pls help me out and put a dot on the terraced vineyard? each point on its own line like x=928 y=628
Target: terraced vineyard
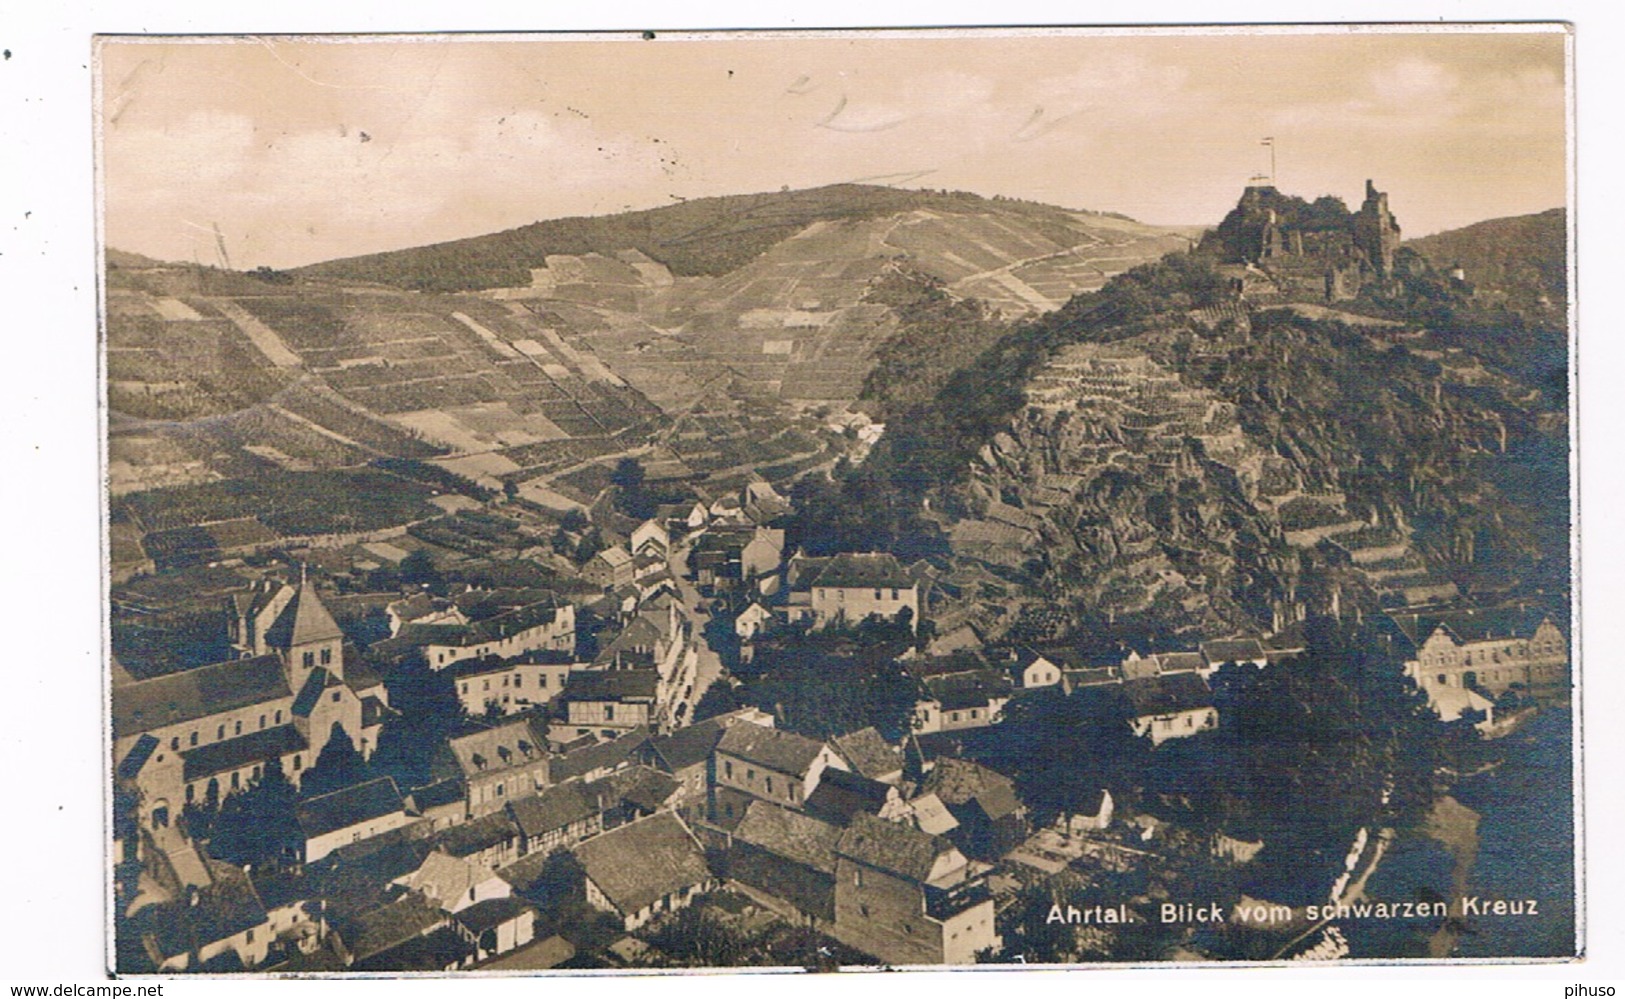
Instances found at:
x=695 y=342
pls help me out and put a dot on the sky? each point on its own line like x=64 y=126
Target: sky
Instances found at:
x=302 y=150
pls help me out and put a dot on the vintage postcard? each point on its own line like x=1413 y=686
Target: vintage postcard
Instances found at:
x=839 y=499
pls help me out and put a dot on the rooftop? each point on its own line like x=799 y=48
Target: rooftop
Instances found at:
x=302 y=621
x=232 y=754
x=1170 y=694
x=864 y=570
x=785 y=752
x=511 y=744
x=958 y=691
x=796 y=837
x=1234 y=650
x=892 y=847
x=491 y=913
x=349 y=806
x=612 y=685
x=869 y=754
x=639 y=863
x=555 y=808
x=611 y=755
x=192 y=694
x=841 y=794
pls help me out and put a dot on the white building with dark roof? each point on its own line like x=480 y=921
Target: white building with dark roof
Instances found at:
x=855 y=586
x=500 y=764
x=350 y=815
x=758 y=762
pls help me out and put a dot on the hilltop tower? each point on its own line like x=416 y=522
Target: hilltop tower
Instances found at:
x=1376 y=233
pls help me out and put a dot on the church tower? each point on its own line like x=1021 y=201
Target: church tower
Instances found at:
x=305 y=635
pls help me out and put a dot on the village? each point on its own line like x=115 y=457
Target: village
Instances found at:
x=645 y=767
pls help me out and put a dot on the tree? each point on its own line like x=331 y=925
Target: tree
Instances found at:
x=418 y=568
x=426 y=710
x=257 y=825
x=718 y=699
x=337 y=767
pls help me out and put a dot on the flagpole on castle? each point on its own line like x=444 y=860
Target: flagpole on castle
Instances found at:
x=1269 y=141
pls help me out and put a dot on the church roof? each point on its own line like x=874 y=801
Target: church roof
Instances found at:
x=196 y=693
x=303 y=621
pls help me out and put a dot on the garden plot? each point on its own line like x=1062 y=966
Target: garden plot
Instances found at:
x=142 y=462
x=443 y=429
x=483 y=469
x=500 y=423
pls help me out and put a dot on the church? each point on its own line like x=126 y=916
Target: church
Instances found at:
x=199 y=734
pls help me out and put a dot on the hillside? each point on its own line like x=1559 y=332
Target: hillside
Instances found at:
x=705 y=236
x=1164 y=460
x=1521 y=260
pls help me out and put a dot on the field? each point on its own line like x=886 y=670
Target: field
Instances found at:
x=286 y=503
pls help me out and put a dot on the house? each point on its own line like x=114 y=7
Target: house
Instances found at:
x=513 y=685
x=1093 y=676
x=497 y=926
x=379 y=929
x=855 y=586
x=955 y=701
x=350 y=815
x=443 y=804
x=789 y=856
x=730 y=556
x=990 y=819
x=1234 y=651
x=681 y=518
x=223 y=925
x=651 y=538
x=489 y=841
x=610 y=568
x=870 y=755
x=1488 y=651
x=841 y=794
x=660 y=636
x=592 y=759
x=752 y=621
x=1170 y=707
x=1180 y=662
x=631 y=794
x=557 y=819
x=1450 y=703
x=453 y=883
x=1032 y=670
x=1079 y=823
x=649 y=867
x=766 y=763
x=545 y=626
x=422 y=608
x=1138 y=667
x=500 y=764
x=761 y=503
x=611 y=701
x=908 y=897
x=687 y=755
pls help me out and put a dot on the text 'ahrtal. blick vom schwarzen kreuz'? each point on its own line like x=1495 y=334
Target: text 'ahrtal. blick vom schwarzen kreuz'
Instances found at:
x=1263 y=913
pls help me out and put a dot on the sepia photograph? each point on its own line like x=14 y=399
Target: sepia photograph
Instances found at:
x=838 y=499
